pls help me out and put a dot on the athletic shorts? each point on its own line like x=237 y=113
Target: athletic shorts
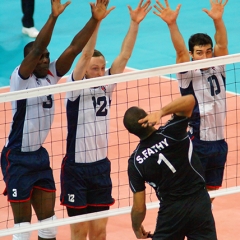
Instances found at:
x=86 y=184
x=23 y=171
x=213 y=156
x=190 y=216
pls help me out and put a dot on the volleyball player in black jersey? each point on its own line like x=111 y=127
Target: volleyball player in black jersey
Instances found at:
x=164 y=159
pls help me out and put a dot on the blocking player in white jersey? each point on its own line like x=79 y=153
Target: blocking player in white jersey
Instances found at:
x=86 y=185
x=24 y=162
x=208 y=86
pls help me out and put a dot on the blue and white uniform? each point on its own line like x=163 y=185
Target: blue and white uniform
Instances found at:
x=88 y=112
x=32 y=119
x=206 y=125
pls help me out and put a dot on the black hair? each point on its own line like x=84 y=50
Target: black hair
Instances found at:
x=130 y=121
x=199 y=39
x=27 y=48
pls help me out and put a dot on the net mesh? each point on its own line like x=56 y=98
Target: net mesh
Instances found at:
x=149 y=89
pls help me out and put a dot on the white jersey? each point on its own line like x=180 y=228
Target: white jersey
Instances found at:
x=209 y=88
x=32 y=117
x=88 y=112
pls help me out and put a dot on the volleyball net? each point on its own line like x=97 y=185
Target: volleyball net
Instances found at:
x=149 y=89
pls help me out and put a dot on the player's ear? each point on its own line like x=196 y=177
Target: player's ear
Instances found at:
x=191 y=54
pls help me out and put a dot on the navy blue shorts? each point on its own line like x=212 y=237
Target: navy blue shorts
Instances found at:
x=86 y=184
x=190 y=216
x=213 y=156
x=23 y=171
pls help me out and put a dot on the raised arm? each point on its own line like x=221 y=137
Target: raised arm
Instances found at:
x=137 y=16
x=87 y=53
x=40 y=44
x=65 y=61
x=182 y=106
x=216 y=13
x=169 y=16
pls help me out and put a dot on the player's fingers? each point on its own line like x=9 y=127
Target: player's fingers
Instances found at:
x=159 y=4
x=205 y=10
x=166 y=3
x=110 y=9
x=157 y=14
x=143 y=120
x=66 y=4
x=178 y=7
x=129 y=8
x=149 y=235
x=224 y=4
x=140 y=4
x=157 y=8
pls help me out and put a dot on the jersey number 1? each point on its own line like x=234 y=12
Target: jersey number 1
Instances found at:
x=161 y=158
x=212 y=79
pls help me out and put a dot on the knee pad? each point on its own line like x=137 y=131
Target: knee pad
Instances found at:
x=24 y=235
x=48 y=232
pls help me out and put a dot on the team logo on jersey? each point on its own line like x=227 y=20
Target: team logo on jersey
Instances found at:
x=103 y=88
x=38 y=81
x=48 y=80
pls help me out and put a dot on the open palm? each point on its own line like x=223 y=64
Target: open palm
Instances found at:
x=58 y=8
x=140 y=12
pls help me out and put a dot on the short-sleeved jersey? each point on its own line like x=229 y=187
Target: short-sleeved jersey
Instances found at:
x=166 y=161
x=209 y=88
x=32 y=117
x=88 y=112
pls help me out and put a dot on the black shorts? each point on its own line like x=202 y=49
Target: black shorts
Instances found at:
x=189 y=217
x=24 y=171
x=213 y=156
x=86 y=184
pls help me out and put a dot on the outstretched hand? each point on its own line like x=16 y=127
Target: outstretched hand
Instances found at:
x=151 y=119
x=99 y=10
x=166 y=13
x=217 y=8
x=57 y=7
x=140 y=12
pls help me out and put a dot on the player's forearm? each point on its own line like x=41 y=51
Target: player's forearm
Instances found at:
x=129 y=40
x=81 y=39
x=181 y=106
x=178 y=41
x=87 y=53
x=221 y=34
x=137 y=217
x=89 y=48
x=45 y=34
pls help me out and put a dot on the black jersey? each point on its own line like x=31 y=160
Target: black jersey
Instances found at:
x=166 y=161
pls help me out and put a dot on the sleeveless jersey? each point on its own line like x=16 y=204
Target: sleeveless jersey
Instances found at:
x=166 y=161
x=209 y=88
x=32 y=117
x=88 y=112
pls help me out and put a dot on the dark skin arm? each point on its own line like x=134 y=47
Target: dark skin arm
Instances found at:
x=65 y=61
x=138 y=214
x=30 y=62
